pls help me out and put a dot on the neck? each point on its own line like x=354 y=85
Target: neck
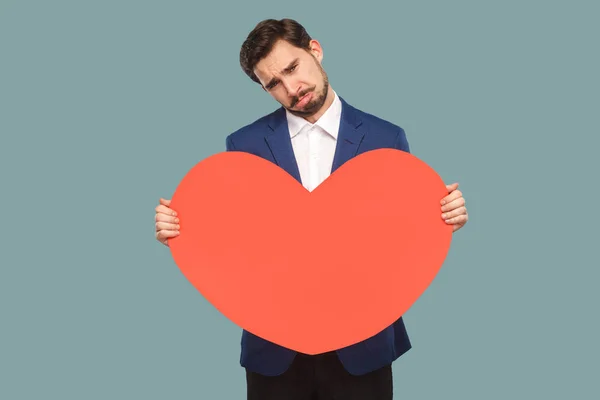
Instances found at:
x=328 y=101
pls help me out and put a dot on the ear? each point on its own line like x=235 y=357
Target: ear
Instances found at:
x=316 y=49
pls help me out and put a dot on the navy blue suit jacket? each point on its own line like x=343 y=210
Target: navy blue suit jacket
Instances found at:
x=269 y=138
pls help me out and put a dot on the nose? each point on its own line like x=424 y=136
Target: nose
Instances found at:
x=291 y=87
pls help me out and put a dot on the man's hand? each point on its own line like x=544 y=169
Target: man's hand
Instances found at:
x=167 y=223
x=453 y=208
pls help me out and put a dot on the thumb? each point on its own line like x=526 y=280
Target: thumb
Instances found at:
x=452 y=187
x=165 y=202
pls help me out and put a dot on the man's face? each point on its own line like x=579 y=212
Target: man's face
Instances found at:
x=294 y=77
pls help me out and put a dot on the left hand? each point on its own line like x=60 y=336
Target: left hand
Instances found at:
x=453 y=208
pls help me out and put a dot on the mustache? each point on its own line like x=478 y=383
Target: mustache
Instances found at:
x=296 y=99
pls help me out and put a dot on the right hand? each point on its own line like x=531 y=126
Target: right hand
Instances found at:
x=167 y=223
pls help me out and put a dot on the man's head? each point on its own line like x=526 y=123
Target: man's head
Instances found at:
x=286 y=62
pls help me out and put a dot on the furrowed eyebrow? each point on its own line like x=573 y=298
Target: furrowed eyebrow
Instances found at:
x=271 y=83
x=290 y=65
x=285 y=70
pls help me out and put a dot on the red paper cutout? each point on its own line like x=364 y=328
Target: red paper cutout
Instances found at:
x=313 y=272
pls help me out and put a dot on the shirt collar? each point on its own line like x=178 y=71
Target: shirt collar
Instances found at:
x=329 y=121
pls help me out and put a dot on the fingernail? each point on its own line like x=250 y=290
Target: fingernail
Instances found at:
x=444 y=216
x=176 y=220
x=178 y=228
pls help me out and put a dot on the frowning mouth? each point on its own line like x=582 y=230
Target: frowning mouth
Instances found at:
x=303 y=101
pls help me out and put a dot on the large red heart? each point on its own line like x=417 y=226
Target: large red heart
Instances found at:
x=311 y=271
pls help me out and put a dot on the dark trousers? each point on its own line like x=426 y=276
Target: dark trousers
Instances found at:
x=320 y=377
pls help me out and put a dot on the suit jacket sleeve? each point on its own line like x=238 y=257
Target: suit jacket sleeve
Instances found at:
x=402 y=142
x=229 y=144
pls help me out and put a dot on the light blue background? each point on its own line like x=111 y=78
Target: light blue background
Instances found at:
x=105 y=105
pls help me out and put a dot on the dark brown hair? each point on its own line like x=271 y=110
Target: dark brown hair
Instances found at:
x=260 y=41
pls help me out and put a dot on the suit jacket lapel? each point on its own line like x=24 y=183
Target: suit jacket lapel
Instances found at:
x=280 y=143
x=350 y=136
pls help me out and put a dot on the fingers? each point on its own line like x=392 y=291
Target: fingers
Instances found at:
x=451 y=197
x=162 y=217
x=164 y=235
x=161 y=208
x=454 y=212
x=167 y=223
x=167 y=226
x=457 y=217
x=166 y=230
x=453 y=204
x=458 y=221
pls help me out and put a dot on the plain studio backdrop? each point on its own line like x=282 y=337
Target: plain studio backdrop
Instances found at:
x=105 y=106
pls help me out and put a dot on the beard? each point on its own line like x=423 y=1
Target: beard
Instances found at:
x=317 y=101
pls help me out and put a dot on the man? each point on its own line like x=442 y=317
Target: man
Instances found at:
x=310 y=136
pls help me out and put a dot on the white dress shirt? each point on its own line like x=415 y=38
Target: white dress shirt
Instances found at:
x=314 y=144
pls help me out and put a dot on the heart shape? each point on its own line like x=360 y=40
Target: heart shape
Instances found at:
x=311 y=271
